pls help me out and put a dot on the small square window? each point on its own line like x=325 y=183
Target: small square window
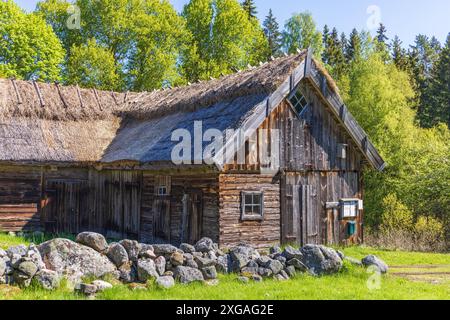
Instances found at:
x=162 y=191
x=298 y=101
x=252 y=206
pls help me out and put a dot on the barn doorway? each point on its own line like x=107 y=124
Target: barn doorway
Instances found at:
x=300 y=215
x=65 y=205
x=192 y=217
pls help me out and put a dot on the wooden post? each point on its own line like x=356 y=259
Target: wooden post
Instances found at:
x=98 y=100
x=19 y=98
x=79 y=96
x=60 y=95
x=38 y=91
x=308 y=62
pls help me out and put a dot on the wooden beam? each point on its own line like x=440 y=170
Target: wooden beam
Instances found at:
x=38 y=91
x=79 y=96
x=60 y=95
x=98 y=100
x=19 y=98
x=308 y=62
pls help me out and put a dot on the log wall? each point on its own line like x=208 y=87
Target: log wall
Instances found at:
x=257 y=233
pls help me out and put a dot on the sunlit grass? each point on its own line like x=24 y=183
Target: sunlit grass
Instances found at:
x=349 y=284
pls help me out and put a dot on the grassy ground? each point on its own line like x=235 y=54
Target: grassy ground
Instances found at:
x=351 y=283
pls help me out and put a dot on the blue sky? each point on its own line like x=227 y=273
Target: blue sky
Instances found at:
x=406 y=18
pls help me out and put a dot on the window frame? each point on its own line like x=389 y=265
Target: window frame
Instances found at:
x=162 y=194
x=252 y=217
x=293 y=94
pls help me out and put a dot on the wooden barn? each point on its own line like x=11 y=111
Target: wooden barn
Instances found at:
x=76 y=159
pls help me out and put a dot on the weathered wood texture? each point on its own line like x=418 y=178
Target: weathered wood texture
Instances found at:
x=19 y=198
x=305 y=216
x=188 y=212
x=258 y=233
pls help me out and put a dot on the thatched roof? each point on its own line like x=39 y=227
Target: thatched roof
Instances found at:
x=44 y=123
x=48 y=122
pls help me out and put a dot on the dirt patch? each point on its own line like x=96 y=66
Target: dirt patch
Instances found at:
x=435 y=274
x=8 y=292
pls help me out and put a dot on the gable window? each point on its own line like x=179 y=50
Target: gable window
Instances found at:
x=298 y=101
x=252 y=206
x=162 y=191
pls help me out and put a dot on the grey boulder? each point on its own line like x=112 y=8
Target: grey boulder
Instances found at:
x=102 y=285
x=187 y=275
x=160 y=265
x=164 y=249
x=187 y=248
x=47 y=279
x=146 y=270
x=320 y=259
x=209 y=272
x=73 y=260
x=372 y=260
x=117 y=254
x=291 y=253
x=165 y=282
x=132 y=247
x=93 y=240
x=204 y=245
x=19 y=250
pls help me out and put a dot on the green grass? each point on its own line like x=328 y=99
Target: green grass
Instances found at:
x=349 y=284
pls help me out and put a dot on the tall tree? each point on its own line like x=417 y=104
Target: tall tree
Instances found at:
x=325 y=36
x=145 y=37
x=354 y=47
x=92 y=66
x=399 y=54
x=273 y=34
x=381 y=43
x=65 y=20
x=300 y=32
x=436 y=106
x=29 y=48
x=335 y=54
x=381 y=34
x=423 y=56
x=223 y=39
x=250 y=7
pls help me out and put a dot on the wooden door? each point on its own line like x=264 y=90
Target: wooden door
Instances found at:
x=65 y=205
x=192 y=218
x=310 y=215
x=300 y=215
x=161 y=218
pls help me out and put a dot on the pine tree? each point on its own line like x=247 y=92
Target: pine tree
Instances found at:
x=381 y=34
x=250 y=7
x=423 y=56
x=273 y=34
x=354 y=48
x=335 y=54
x=325 y=36
x=399 y=54
x=436 y=100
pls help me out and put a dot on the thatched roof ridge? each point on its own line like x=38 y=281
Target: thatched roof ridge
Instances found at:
x=70 y=103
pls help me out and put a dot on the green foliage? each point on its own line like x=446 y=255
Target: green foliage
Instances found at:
x=300 y=32
x=273 y=34
x=92 y=66
x=29 y=48
x=145 y=38
x=396 y=216
x=436 y=98
x=64 y=19
x=250 y=7
x=223 y=39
